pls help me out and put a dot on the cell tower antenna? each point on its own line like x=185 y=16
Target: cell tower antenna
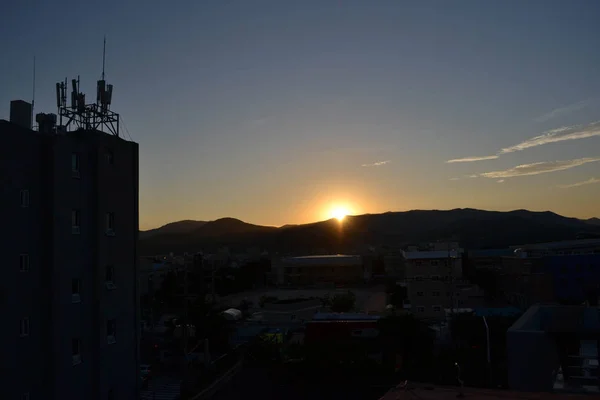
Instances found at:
x=33 y=95
x=103 y=56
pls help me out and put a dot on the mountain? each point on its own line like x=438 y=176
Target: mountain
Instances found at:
x=472 y=228
x=184 y=226
x=593 y=221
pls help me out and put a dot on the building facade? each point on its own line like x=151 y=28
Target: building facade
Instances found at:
x=573 y=276
x=431 y=278
x=69 y=295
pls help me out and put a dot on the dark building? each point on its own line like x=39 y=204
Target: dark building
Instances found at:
x=555 y=348
x=574 y=275
x=68 y=297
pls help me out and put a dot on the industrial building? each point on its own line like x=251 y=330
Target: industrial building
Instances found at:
x=69 y=297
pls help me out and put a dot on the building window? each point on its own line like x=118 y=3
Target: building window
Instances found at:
x=434 y=263
x=418 y=278
x=24 y=328
x=435 y=277
x=418 y=263
x=110 y=277
x=75 y=291
x=435 y=294
x=75 y=222
x=76 y=351
x=437 y=308
x=110 y=157
x=24 y=263
x=420 y=294
x=111 y=331
x=420 y=309
x=75 y=165
x=24 y=198
x=110 y=223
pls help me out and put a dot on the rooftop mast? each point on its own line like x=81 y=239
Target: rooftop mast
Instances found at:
x=93 y=116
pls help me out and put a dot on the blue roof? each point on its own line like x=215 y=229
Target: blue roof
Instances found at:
x=344 y=317
x=497 y=311
x=492 y=253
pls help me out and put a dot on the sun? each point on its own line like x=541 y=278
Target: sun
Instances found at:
x=339 y=213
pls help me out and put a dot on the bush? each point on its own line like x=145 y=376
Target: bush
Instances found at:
x=343 y=302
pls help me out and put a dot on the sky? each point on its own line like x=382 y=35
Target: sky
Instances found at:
x=280 y=112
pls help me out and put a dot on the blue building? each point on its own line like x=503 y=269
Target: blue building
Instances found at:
x=573 y=275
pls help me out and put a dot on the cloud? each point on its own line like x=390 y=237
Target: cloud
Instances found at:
x=376 y=164
x=562 y=111
x=471 y=159
x=500 y=181
x=538 y=168
x=588 y=182
x=557 y=135
x=455 y=179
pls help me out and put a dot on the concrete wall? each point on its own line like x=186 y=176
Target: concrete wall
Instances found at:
x=22 y=293
x=532 y=360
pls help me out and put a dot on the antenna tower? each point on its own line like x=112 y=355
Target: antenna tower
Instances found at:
x=33 y=95
x=92 y=116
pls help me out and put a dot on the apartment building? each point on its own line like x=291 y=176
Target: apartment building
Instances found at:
x=68 y=296
x=431 y=278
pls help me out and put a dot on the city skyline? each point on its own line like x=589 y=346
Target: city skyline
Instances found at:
x=292 y=113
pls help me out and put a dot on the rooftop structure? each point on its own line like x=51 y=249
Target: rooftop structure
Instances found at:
x=554 y=347
x=412 y=391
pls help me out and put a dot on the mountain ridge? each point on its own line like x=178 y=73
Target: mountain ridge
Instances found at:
x=473 y=228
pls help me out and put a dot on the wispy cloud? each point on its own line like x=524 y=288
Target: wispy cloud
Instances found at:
x=538 y=168
x=561 y=134
x=455 y=179
x=557 y=135
x=471 y=159
x=376 y=164
x=500 y=181
x=588 y=182
x=562 y=111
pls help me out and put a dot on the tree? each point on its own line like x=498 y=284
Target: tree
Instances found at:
x=343 y=302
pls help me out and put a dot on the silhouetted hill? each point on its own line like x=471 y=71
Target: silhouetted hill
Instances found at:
x=593 y=221
x=184 y=226
x=472 y=228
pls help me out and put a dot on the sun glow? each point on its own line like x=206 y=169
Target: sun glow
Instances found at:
x=339 y=213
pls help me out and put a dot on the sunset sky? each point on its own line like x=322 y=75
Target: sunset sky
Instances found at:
x=277 y=112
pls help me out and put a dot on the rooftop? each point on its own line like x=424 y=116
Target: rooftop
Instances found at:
x=491 y=253
x=565 y=244
x=421 y=255
x=414 y=391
